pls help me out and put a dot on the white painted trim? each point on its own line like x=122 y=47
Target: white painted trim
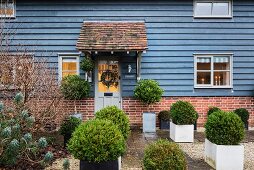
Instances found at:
x=230 y=16
x=211 y=86
x=65 y=55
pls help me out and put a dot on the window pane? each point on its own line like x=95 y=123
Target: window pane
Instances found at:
x=7 y=8
x=220 y=8
x=203 y=9
x=222 y=78
x=221 y=63
x=203 y=78
x=203 y=63
x=69 y=66
x=69 y=73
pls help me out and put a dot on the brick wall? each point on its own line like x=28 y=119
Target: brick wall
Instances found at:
x=134 y=108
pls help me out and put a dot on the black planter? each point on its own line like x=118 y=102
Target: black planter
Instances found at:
x=164 y=124
x=109 y=165
x=246 y=125
x=195 y=126
x=66 y=139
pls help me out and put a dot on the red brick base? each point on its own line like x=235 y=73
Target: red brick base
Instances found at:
x=135 y=109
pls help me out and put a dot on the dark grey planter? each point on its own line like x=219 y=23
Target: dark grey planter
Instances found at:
x=109 y=165
x=66 y=139
x=164 y=124
x=246 y=125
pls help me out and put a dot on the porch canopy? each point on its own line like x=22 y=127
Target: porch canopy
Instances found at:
x=112 y=36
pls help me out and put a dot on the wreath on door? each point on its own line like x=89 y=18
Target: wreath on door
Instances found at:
x=109 y=78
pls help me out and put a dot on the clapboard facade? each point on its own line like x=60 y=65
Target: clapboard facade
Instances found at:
x=174 y=38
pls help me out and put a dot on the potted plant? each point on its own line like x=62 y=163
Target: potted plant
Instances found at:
x=148 y=92
x=117 y=116
x=164 y=119
x=164 y=155
x=244 y=115
x=212 y=109
x=68 y=127
x=87 y=65
x=224 y=131
x=74 y=88
x=98 y=144
x=183 y=116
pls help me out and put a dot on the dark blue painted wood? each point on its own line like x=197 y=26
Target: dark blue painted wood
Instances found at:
x=53 y=27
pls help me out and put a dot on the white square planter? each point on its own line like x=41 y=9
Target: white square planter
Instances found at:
x=181 y=133
x=224 y=157
x=149 y=122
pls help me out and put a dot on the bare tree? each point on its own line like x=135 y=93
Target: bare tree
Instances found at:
x=21 y=71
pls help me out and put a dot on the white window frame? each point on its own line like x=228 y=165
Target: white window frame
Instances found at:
x=61 y=56
x=14 y=11
x=214 y=16
x=230 y=55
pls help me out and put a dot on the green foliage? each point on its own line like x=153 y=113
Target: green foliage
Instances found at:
x=97 y=141
x=75 y=88
x=183 y=113
x=164 y=115
x=118 y=117
x=224 y=128
x=164 y=155
x=213 y=109
x=66 y=164
x=243 y=114
x=69 y=126
x=148 y=91
x=16 y=140
x=87 y=64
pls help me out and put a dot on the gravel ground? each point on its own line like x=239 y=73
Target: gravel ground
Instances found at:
x=132 y=160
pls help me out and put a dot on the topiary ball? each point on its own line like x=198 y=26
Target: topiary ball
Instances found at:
x=243 y=114
x=164 y=155
x=75 y=88
x=87 y=64
x=212 y=110
x=183 y=113
x=118 y=117
x=164 y=115
x=148 y=91
x=224 y=128
x=97 y=141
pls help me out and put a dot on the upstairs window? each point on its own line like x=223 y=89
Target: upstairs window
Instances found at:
x=212 y=9
x=7 y=8
x=213 y=71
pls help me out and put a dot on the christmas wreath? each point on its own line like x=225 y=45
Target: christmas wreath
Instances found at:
x=109 y=78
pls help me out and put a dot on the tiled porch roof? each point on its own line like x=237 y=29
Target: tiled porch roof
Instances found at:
x=112 y=36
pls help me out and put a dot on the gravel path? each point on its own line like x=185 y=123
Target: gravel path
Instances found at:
x=137 y=142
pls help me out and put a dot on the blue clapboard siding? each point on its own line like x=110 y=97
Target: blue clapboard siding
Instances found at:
x=53 y=27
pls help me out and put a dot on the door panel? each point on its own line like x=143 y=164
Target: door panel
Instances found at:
x=107 y=84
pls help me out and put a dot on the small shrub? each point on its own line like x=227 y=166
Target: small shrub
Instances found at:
x=69 y=126
x=212 y=109
x=164 y=115
x=148 y=91
x=74 y=88
x=243 y=114
x=16 y=140
x=224 y=128
x=164 y=155
x=117 y=116
x=97 y=141
x=183 y=113
x=87 y=64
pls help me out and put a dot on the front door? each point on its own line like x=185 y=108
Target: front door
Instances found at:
x=107 y=84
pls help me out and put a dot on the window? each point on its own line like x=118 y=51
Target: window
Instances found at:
x=213 y=71
x=7 y=8
x=212 y=9
x=68 y=65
